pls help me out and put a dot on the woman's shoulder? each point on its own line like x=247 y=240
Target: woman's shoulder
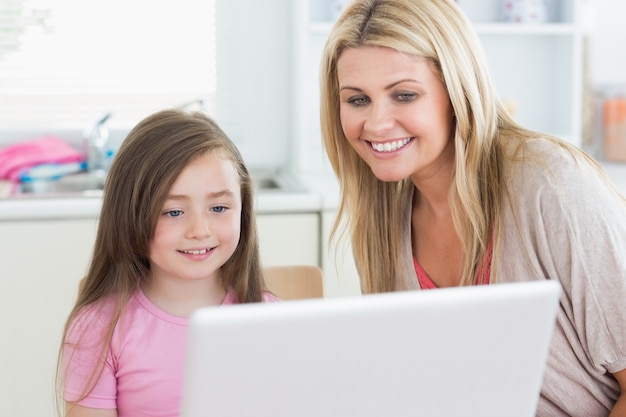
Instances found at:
x=548 y=173
x=546 y=160
x=540 y=149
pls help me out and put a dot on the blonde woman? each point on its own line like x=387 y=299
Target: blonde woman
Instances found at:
x=440 y=188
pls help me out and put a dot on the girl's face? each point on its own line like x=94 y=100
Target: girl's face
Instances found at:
x=395 y=112
x=199 y=226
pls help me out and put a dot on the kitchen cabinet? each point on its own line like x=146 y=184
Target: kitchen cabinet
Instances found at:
x=537 y=69
x=289 y=239
x=42 y=263
x=340 y=274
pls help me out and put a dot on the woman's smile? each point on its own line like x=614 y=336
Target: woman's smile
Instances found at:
x=388 y=100
x=390 y=146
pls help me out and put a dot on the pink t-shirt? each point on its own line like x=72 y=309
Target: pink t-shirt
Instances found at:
x=143 y=374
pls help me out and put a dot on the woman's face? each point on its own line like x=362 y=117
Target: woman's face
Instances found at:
x=396 y=113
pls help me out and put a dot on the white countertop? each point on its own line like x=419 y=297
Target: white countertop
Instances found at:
x=322 y=195
x=41 y=208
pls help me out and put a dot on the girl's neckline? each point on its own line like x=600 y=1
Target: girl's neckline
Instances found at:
x=164 y=315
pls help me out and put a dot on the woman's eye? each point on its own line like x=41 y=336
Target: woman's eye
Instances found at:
x=358 y=101
x=405 y=96
x=173 y=213
x=218 y=209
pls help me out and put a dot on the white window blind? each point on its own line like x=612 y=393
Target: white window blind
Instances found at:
x=64 y=63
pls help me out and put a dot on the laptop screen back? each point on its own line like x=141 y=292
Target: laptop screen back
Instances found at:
x=467 y=351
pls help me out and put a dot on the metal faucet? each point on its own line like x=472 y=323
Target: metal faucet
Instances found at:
x=97 y=147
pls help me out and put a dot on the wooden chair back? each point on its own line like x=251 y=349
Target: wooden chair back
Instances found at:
x=294 y=282
x=290 y=282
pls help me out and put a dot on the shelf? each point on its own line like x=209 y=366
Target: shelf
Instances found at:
x=491 y=11
x=525 y=29
x=488 y=28
x=536 y=67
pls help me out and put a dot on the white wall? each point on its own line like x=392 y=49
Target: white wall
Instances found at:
x=253 y=97
x=253 y=78
x=607 y=44
x=254 y=72
x=606 y=52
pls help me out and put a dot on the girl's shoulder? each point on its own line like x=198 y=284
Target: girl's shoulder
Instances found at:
x=102 y=311
x=232 y=299
x=270 y=298
x=92 y=318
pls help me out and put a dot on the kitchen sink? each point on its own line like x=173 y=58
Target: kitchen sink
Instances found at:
x=85 y=184
x=267 y=184
x=82 y=183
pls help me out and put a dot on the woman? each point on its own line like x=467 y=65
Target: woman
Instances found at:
x=440 y=187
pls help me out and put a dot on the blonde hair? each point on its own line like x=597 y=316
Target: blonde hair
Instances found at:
x=377 y=213
x=146 y=166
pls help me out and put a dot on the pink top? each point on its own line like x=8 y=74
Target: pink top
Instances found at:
x=484 y=272
x=143 y=374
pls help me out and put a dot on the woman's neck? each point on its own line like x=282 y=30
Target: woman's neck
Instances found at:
x=435 y=241
x=433 y=183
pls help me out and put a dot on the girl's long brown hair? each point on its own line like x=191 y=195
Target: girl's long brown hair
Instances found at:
x=147 y=164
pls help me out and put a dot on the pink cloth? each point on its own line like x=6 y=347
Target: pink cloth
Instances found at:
x=144 y=370
x=48 y=149
x=483 y=274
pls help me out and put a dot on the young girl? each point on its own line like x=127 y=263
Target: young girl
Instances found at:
x=176 y=232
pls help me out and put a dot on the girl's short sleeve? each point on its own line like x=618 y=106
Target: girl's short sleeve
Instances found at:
x=88 y=371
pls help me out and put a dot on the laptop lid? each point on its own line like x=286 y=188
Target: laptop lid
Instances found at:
x=464 y=351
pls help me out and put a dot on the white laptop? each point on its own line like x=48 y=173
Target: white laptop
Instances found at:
x=466 y=351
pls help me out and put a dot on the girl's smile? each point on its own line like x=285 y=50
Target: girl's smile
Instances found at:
x=197 y=254
x=199 y=228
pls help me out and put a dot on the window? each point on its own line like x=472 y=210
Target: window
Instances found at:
x=65 y=63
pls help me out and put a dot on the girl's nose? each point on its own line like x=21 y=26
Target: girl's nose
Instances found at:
x=199 y=226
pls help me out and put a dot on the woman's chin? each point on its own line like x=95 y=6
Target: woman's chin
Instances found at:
x=389 y=176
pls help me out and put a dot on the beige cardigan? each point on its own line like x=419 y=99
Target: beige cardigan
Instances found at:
x=562 y=222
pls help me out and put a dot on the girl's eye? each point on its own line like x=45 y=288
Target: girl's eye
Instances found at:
x=173 y=213
x=218 y=209
x=358 y=101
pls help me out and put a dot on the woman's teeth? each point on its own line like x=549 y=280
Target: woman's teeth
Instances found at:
x=390 y=146
x=195 y=252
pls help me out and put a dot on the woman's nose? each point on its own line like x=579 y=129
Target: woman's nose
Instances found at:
x=379 y=120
